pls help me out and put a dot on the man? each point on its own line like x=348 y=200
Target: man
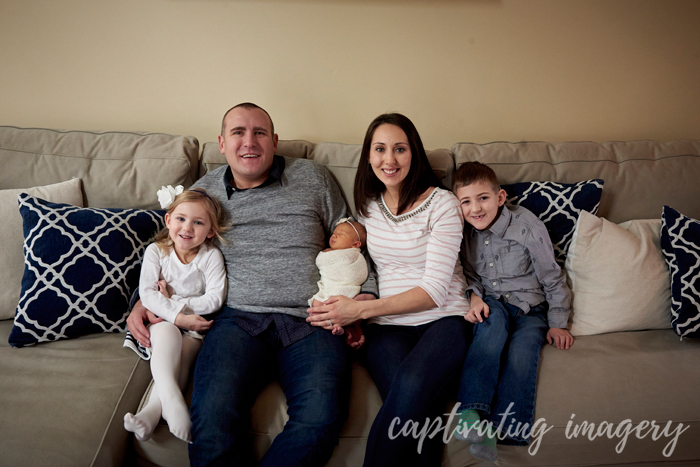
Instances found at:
x=282 y=212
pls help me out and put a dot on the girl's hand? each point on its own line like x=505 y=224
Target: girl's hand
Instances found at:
x=478 y=307
x=562 y=338
x=193 y=322
x=336 y=311
x=163 y=288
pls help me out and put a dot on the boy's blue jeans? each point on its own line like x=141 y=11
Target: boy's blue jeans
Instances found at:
x=233 y=367
x=501 y=365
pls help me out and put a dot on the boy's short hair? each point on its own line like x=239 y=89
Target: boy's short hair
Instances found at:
x=471 y=172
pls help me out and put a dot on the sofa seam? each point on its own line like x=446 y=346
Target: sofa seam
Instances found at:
x=75 y=156
x=595 y=160
x=95 y=132
x=574 y=141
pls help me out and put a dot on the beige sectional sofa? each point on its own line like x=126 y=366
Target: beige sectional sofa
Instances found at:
x=62 y=403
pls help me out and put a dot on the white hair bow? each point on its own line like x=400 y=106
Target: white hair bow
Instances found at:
x=167 y=194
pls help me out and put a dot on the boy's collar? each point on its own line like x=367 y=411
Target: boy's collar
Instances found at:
x=500 y=224
x=502 y=221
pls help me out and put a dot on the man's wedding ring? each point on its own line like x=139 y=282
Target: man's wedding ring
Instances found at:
x=330 y=323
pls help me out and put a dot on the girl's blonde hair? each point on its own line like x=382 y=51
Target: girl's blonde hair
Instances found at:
x=213 y=208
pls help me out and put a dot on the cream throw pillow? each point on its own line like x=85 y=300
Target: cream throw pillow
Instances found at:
x=12 y=236
x=619 y=279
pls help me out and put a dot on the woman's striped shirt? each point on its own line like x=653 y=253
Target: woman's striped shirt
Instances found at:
x=419 y=249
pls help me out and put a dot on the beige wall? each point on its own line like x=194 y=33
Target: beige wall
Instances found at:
x=463 y=70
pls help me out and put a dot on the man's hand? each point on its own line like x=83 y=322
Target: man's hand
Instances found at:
x=193 y=322
x=137 y=321
x=562 y=338
x=477 y=308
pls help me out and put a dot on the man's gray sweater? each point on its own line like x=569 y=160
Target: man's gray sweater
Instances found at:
x=276 y=233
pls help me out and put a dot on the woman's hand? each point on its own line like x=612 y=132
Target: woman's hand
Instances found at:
x=136 y=323
x=338 y=310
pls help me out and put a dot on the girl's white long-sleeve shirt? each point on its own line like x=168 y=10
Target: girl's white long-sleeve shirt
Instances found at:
x=419 y=249
x=198 y=287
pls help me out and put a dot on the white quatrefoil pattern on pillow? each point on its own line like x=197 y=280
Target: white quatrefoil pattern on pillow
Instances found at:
x=680 y=244
x=558 y=206
x=81 y=266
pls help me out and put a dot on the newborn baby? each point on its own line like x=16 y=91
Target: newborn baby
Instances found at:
x=343 y=270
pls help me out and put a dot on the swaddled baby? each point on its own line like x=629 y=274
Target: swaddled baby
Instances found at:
x=343 y=270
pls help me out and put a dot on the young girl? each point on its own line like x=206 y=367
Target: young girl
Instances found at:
x=182 y=278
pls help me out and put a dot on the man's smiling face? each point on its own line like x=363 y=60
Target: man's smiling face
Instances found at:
x=249 y=146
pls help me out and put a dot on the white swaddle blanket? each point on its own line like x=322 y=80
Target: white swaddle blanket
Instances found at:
x=342 y=273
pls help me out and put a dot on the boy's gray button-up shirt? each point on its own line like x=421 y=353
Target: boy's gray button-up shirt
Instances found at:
x=513 y=260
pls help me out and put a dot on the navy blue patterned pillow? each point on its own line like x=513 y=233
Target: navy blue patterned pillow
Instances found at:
x=680 y=244
x=558 y=206
x=80 y=267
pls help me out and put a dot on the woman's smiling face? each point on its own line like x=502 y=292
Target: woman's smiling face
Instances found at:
x=390 y=155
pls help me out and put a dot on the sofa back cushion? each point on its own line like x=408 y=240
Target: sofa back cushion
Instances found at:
x=118 y=169
x=640 y=176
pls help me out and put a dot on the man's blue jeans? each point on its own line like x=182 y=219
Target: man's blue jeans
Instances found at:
x=232 y=369
x=413 y=367
x=502 y=362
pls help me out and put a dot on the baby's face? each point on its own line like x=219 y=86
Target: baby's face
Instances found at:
x=344 y=236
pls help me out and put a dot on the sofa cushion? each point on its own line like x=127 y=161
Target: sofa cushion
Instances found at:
x=680 y=241
x=619 y=279
x=81 y=266
x=119 y=169
x=11 y=236
x=558 y=206
x=63 y=403
x=604 y=381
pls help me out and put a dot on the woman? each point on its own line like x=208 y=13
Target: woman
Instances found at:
x=416 y=332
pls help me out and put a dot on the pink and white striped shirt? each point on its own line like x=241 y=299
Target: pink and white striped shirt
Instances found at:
x=419 y=249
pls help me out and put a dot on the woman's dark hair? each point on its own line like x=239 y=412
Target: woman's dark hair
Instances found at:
x=420 y=176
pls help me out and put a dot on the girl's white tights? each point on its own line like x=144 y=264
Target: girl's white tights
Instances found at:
x=172 y=356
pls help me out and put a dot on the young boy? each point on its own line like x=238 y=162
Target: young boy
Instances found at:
x=518 y=296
